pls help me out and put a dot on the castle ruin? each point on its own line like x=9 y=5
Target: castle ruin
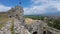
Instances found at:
x=39 y=27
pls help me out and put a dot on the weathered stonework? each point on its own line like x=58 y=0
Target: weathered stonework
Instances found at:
x=17 y=18
x=40 y=27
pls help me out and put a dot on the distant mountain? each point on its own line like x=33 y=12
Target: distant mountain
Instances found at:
x=52 y=11
x=52 y=14
x=56 y=14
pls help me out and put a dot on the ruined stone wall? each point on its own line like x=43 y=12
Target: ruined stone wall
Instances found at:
x=52 y=30
x=35 y=27
x=41 y=27
x=19 y=24
x=15 y=25
x=17 y=12
x=49 y=30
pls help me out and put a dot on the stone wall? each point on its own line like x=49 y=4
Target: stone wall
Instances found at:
x=52 y=30
x=49 y=30
x=16 y=16
x=17 y=12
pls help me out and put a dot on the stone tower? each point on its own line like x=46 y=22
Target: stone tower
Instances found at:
x=17 y=13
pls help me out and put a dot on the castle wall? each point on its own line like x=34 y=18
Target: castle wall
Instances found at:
x=17 y=12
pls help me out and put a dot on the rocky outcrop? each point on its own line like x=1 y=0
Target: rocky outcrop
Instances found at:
x=19 y=29
x=6 y=28
x=16 y=18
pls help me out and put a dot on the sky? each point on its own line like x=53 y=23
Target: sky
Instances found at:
x=32 y=7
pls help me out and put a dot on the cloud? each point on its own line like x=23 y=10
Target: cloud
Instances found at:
x=4 y=8
x=42 y=6
x=39 y=1
x=45 y=1
x=51 y=9
x=34 y=10
x=38 y=7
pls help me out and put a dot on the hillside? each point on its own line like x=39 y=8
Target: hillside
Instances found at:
x=30 y=21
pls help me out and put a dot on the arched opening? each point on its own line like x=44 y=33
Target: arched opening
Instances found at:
x=48 y=32
x=17 y=33
x=44 y=32
x=35 y=32
x=16 y=14
x=10 y=16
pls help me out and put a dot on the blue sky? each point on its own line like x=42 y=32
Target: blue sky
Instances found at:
x=32 y=6
x=13 y=3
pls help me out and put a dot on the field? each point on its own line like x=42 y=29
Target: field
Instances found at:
x=35 y=17
x=3 y=21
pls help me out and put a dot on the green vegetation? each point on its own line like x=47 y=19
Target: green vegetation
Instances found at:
x=36 y=17
x=55 y=23
x=1 y=25
x=52 y=22
x=12 y=29
x=1 y=18
x=3 y=22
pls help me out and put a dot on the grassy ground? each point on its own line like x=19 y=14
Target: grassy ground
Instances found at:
x=35 y=17
x=1 y=18
x=3 y=22
x=12 y=26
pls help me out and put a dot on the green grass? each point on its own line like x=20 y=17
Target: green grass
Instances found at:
x=3 y=22
x=1 y=18
x=12 y=27
x=35 y=17
x=1 y=25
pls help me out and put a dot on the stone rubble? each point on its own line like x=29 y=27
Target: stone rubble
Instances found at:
x=17 y=18
x=6 y=28
x=19 y=28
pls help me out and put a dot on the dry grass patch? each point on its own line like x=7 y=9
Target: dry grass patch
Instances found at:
x=3 y=22
x=30 y=21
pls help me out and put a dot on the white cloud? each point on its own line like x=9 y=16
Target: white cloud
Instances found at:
x=4 y=8
x=39 y=1
x=45 y=1
x=57 y=6
x=34 y=10
x=39 y=6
